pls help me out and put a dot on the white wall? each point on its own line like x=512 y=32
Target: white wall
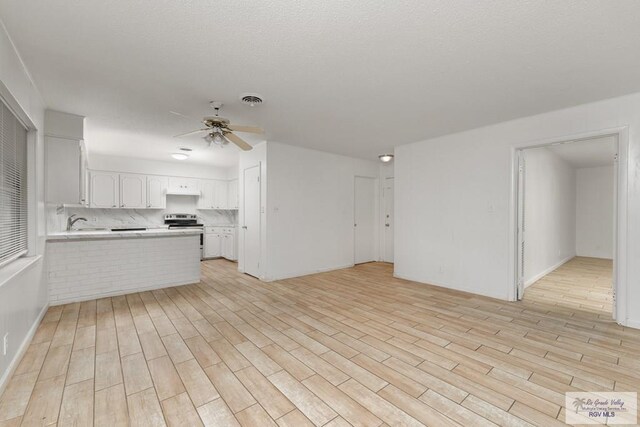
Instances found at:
x=23 y=291
x=310 y=209
x=453 y=196
x=550 y=213
x=594 y=212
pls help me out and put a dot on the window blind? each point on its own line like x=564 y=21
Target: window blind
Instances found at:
x=13 y=187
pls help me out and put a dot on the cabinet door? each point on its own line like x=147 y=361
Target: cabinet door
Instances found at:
x=207 y=194
x=157 y=191
x=64 y=170
x=212 y=245
x=228 y=243
x=183 y=185
x=232 y=194
x=220 y=195
x=133 y=191
x=104 y=190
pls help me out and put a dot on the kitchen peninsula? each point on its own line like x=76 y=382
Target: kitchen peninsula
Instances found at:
x=84 y=265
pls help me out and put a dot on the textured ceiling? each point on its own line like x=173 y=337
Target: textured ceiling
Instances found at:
x=352 y=77
x=588 y=153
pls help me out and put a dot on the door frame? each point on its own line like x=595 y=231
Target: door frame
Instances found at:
x=620 y=284
x=376 y=219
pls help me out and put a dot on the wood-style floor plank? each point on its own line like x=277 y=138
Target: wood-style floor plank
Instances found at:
x=345 y=348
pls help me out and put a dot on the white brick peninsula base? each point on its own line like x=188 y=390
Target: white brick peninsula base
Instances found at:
x=82 y=268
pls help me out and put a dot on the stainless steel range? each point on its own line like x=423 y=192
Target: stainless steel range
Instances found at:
x=177 y=221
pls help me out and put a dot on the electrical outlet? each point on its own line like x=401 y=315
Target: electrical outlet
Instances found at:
x=5 y=344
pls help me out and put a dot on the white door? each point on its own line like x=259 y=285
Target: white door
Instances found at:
x=365 y=220
x=251 y=221
x=133 y=191
x=104 y=190
x=387 y=194
x=157 y=192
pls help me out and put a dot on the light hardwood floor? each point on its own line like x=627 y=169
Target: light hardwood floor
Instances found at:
x=349 y=347
x=580 y=284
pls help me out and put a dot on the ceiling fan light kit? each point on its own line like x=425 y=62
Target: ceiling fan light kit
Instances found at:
x=219 y=131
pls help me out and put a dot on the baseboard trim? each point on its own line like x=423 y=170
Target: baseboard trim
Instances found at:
x=540 y=275
x=22 y=350
x=307 y=272
x=449 y=287
x=632 y=323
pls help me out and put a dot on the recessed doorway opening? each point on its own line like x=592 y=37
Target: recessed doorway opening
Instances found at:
x=569 y=223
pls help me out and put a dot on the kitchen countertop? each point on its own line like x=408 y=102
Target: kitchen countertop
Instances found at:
x=107 y=234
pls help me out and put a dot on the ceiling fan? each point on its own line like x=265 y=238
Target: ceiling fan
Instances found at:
x=219 y=131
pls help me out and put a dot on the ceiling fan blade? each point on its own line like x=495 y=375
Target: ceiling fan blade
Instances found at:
x=190 y=133
x=238 y=141
x=248 y=129
x=185 y=116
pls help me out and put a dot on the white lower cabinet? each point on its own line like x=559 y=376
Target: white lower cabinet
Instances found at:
x=220 y=242
x=228 y=246
x=212 y=245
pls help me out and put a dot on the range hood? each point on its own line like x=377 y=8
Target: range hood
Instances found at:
x=184 y=193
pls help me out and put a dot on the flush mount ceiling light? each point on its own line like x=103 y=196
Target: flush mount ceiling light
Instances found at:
x=385 y=158
x=180 y=156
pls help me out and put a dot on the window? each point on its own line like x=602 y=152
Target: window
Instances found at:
x=13 y=186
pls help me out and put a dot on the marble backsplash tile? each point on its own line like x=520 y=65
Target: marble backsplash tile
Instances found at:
x=150 y=218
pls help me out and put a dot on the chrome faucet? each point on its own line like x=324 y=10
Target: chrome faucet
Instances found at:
x=71 y=221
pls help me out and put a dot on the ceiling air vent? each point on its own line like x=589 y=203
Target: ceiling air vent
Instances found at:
x=251 y=99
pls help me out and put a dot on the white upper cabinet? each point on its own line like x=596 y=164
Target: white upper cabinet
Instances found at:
x=65 y=158
x=220 y=200
x=207 y=194
x=65 y=170
x=180 y=185
x=105 y=190
x=157 y=191
x=127 y=191
x=213 y=194
x=137 y=191
x=232 y=195
x=133 y=191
